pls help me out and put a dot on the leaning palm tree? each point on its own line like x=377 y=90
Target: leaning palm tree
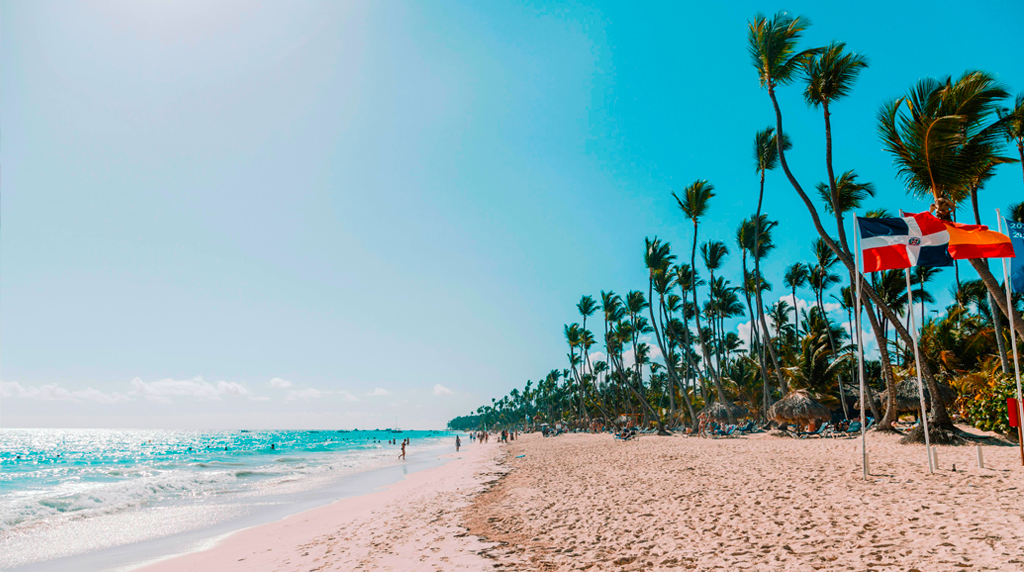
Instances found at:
x=772 y=44
x=941 y=136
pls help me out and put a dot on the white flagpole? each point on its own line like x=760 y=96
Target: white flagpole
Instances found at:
x=917 y=362
x=860 y=347
x=1013 y=340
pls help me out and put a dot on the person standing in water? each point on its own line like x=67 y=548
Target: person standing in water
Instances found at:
x=458 y=443
x=402 y=456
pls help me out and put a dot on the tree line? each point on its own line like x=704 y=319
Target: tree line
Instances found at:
x=947 y=138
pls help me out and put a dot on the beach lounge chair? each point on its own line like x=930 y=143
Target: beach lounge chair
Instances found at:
x=747 y=427
x=727 y=432
x=819 y=433
x=851 y=431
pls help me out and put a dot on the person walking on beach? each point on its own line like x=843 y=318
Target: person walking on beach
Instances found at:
x=458 y=443
x=402 y=456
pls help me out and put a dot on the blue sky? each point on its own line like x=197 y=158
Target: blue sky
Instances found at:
x=400 y=199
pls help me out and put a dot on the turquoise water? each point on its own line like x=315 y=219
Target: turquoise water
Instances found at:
x=63 y=484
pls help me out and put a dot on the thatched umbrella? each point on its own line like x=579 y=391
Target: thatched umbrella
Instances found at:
x=852 y=397
x=723 y=412
x=799 y=408
x=907 y=399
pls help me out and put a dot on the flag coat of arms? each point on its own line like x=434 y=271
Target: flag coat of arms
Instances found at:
x=923 y=240
x=1016 y=232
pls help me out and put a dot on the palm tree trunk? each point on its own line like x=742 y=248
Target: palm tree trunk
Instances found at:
x=997 y=322
x=696 y=312
x=673 y=379
x=757 y=290
x=996 y=293
x=940 y=416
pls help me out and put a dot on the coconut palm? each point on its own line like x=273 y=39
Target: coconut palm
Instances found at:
x=830 y=75
x=1013 y=125
x=941 y=137
x=766 y=158
x=658 y=258
x=695 y=204
x=795 y=277
x=772 y=46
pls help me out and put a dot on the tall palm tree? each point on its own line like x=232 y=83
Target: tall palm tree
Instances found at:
x=795 y=277
x=688 y=280
x=695 y=204
x=658 y=258
x=766 y=158
x=830 y=75
x=713 y=255
x=772 y=46
x=586 y=307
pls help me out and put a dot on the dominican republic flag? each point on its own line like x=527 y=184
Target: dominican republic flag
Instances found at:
x=923 y=240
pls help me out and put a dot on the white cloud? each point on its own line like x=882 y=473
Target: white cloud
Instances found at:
x=198 y=388
x=347 y=396
x=53 y=392
x=280 y=383
x=441 y=390
x=308 y=393
x=378 y=392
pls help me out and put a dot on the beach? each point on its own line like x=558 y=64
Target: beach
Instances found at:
x=581 y=501
x=411 y=525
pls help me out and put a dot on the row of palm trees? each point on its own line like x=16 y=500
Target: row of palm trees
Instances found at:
x=946 y=137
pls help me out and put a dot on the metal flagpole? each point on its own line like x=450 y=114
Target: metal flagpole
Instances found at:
x=860 y=348
x=1013 y=343
x=917 y=362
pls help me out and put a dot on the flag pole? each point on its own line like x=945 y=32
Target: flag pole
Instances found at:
x=1013 y=342
x=917 y=362
x=860 y=347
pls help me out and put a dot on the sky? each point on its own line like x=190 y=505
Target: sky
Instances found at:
x=369 y=214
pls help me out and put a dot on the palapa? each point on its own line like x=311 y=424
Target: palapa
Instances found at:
x=798 y=407
x=727 y=412
x=907 y=399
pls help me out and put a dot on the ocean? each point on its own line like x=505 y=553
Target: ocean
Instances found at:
x=69 y=492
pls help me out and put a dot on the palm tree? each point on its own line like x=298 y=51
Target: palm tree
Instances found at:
x=830 y=75
x=942 y=143
x=586 y=307
x=772 y=46
x=795 y=277
x=713 y=254
x=1013 y=125
x=766 y=158
x=658 y=258
x=697 y=200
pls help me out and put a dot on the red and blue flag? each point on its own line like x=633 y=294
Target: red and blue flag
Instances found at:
x=923 y=240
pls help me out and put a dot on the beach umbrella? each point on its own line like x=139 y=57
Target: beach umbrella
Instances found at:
x=799 y=408
x=723 y=412
x=907 y=399
x=852 y=397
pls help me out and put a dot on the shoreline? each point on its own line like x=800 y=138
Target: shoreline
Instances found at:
x=382 y=528
x=263 y=510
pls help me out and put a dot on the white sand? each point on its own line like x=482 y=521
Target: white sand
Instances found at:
x=753 y=503
x=589 y=502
